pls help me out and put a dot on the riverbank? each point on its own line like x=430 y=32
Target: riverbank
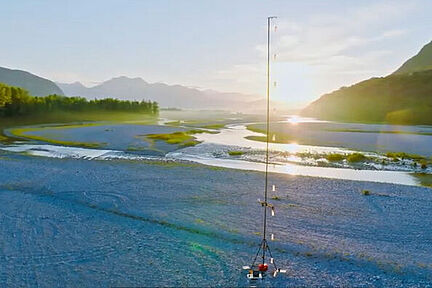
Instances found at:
x=55 y=118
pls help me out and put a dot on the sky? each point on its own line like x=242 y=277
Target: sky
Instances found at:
x=220 y=44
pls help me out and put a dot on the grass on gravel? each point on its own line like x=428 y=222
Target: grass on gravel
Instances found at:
x=22 y=132
x=424 y=179
x=194 y=123
x=235 y=153
x=182 y=138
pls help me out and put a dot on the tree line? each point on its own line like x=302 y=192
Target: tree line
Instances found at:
x=16 y=101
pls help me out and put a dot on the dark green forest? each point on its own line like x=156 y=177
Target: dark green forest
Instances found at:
x=15 y=101
x=397 y=99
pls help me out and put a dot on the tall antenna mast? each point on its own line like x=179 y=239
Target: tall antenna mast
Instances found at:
x=259 y=271
x=265 y=246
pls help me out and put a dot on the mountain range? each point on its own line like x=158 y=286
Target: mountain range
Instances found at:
x=177 y=96
x=403 y=97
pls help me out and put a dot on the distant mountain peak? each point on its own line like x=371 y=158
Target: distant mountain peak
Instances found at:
x=126 y=79
x=420 y=62
x=77 y=84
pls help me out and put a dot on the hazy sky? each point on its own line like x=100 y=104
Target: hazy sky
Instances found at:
x=320 y=45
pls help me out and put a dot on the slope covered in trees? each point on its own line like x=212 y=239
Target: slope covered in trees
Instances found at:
x=400 y=98
x=37 y=86
x=15 y=101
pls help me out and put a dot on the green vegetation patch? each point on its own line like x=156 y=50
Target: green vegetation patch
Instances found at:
x=4 y=138
x=173 y=123
x=419 y=161
x=235 y=153
x=195 y=123
x=134 y=148
x=182 y=138
x=199 y=221
x=356 y=157
x=275 y=137
x=335 y=157
x=281 y=139
x=254 y=128
x=190 y=143
x=403 y=155
x=172 y=138
x=213 y=126
x=141 y=149
x=424 y=179
x=366 y=192
x=352 y=158
x=423 y=164
x=315 y=156
x=199 y=131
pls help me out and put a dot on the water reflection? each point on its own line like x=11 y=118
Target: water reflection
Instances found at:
x=234 y=136
x=395 y=177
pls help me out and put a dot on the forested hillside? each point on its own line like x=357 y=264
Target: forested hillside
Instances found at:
x=15 y=101
x=400 y=98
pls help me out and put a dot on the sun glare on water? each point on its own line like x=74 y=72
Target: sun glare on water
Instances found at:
x=294 y=120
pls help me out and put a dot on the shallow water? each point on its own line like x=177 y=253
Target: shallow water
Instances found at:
x=364 y=137
x=212 y=151
x=234 y=135
x=395 y=177
x=205 y=154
